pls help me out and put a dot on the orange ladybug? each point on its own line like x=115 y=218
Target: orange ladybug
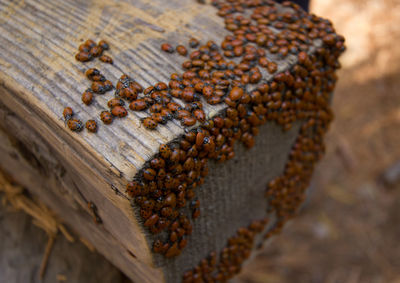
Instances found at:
x=106 y=117
x=91 y=126
x=75 y=125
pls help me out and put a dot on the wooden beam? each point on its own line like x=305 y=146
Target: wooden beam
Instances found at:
x=39 y=77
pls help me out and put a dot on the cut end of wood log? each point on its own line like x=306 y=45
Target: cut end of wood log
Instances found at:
x=228 y=101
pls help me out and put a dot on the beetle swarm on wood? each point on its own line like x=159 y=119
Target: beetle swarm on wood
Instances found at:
x=231 y=73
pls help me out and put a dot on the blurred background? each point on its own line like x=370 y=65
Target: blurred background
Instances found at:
x=349 y=229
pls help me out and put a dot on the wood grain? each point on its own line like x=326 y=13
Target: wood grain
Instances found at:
x=30 y=160
x=41 y=61
x=39 y=77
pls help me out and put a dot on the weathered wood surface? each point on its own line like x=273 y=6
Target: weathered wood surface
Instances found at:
x=40 y=38
x=39 y=76
x=28 y=158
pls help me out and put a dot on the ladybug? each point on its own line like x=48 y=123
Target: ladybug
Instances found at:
x=214 y=100
x=68 y=113
x=272 y=67
x=166 y=113
x=193 y=43
x=99 y=78
x=98 y=87
x=138 y=105
x=145 y=213
x=165 y=151
x=149 y=90
x=163 y=223
x=181 y=50
x=108 y=85
x=248 y=140
x=84 y=48
x=149 y=123
x=170 y=200
x=75 y=125
x=188 y=165
x=90 y=43
x=172 y=251
x=149 y=174
x=83 y=56
x=182 y=244
x=104 y=44
x=106 y=59
x=188 y=94
x=115 y=102
x=148 y=204
x=188 y=121
x=157 y=163
x=212 y=45
x=180 y=114
x=166 y=47
x=173 y=237
x=231 y=113
x=196 y=213
x=90 y=73
x=87 y=96
x=129 y=93
x=174 y=84
x=236 y=93
x=157 y=246
x=173 y=106
x=208 y=91
x=151 y=221
x=190 y=136
x=166 y=211
x=106 y=117
x=196 y=105
x=160 y=86
x=157 y=117
x=156 y=108
x=199 y=115
x=91 y=126
x=138 y=87
x=134 y=188
x=96 y=51
x=119 y=111
x=181 y=232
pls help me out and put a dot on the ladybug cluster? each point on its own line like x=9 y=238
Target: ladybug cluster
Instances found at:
x=100 y=85
x=222 y=268
x=75 y=125
x=301 y=93
x=166 y=47
x=90 y=50
x=126 y=89
x=261 y=35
